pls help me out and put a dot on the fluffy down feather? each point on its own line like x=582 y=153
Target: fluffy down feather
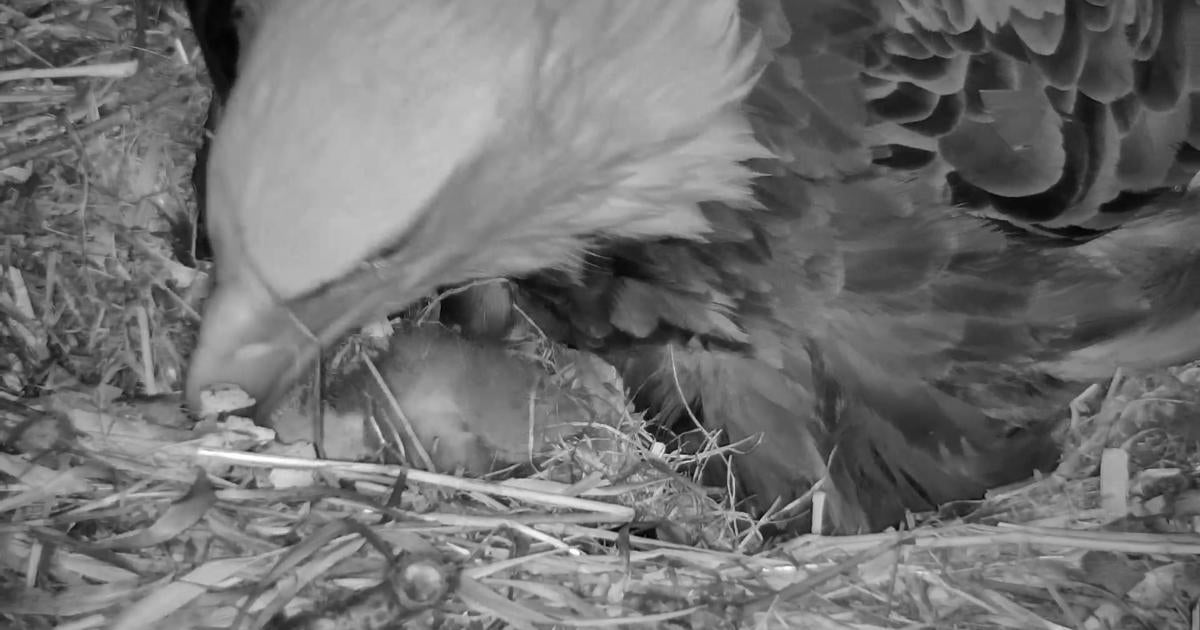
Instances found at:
x=782 y=213
x=472 y=406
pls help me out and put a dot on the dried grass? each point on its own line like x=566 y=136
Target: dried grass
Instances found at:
x=125 y=515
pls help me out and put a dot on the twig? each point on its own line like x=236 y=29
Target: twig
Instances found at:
x=619 y=513
x=64 y=141
x=120 y=70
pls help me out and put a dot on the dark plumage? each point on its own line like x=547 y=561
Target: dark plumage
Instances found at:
x=892 y=238
x=220 y=26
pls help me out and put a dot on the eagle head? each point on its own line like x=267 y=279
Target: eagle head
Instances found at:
x=373 y=151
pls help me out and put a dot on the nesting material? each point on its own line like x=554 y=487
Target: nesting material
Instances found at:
x=118 y=514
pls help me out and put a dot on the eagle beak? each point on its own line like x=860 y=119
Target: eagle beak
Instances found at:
x=263 y=344
x=250 y=340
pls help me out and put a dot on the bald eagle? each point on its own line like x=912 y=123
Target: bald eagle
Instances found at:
x=884 y=241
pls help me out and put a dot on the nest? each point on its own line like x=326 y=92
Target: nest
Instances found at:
x=118 y=511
